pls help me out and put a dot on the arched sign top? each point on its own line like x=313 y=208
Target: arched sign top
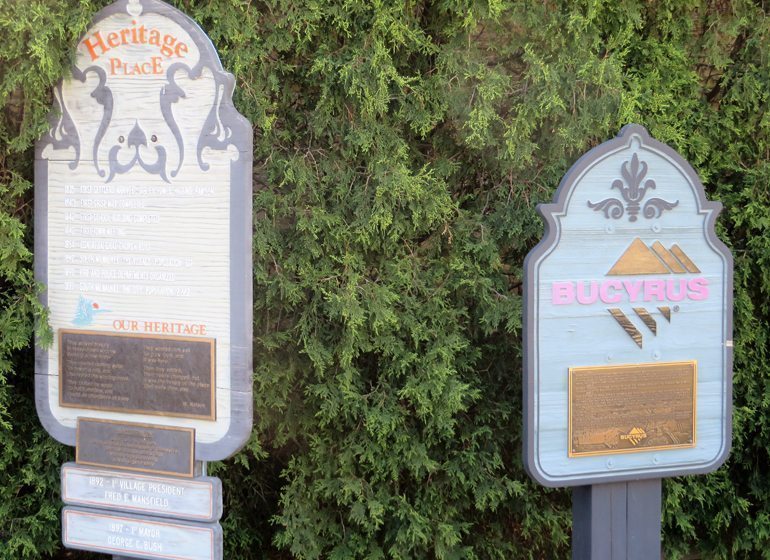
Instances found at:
x=137 y=49
x=143 y=234
x=628 y=321
x=637 y=170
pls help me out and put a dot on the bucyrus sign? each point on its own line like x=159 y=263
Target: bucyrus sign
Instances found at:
x=628 y=318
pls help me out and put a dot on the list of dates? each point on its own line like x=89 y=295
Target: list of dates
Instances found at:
x=111 y=239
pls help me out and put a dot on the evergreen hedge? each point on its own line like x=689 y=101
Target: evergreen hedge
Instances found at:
x=400 y=150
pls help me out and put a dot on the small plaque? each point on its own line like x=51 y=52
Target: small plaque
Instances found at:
x=198 y=499
x=140 y=536
x=144 y=448
x=631 y=408
x=162 y=375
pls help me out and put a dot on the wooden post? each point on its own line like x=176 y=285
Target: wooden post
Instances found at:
x=617 y=521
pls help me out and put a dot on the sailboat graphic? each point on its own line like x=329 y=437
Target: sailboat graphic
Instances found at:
x=86 y=312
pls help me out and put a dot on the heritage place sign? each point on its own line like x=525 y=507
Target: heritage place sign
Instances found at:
x=628 y=341
x=143 y=241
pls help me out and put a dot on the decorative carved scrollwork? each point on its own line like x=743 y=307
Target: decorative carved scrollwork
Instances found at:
x=633 y=188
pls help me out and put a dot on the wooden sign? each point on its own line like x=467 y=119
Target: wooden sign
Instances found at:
x=140 y=536
x=628 y=322
x=143 y=235
x=198 y=499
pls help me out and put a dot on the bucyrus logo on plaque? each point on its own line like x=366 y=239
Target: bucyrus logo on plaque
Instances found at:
x=628 y=322
x=143 y=241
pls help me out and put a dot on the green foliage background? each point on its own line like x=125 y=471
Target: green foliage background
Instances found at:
x=400 y=150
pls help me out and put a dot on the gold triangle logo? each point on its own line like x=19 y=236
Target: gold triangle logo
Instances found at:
x=638 y=259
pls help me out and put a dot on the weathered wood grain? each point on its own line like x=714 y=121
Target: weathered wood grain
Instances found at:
x=138 y=536
x=197 y=499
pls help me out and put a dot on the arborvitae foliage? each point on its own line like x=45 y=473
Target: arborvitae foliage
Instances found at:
x=400 y=150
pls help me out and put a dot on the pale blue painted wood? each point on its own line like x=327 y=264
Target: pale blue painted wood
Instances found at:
x=198 y=499
x=140 y=536
x=586 y=246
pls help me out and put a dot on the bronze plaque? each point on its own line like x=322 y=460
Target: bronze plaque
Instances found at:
x=130 y=446
x=628 y=408
x=159 y=375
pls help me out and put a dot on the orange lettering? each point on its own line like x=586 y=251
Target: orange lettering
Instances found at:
x=168 y=45
x=92 y=46
x=115 y=64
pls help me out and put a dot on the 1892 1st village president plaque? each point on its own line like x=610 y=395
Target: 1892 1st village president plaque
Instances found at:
x=143 y=235
x=628 y=322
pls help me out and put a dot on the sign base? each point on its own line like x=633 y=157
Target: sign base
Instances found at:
x=617 y=521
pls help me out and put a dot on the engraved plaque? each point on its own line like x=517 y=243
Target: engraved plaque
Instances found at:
x=137 y=536
x=160 y=375
x=196 y=499
x=628 y=408
x=136 y=447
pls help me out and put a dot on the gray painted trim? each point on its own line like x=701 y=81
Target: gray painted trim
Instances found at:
x=549 y=241
x=241 y=306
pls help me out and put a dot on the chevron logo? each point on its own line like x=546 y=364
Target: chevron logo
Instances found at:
x=644 y=274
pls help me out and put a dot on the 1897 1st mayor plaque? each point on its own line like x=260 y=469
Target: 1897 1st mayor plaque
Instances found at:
x=628 y=322
x=143 y=235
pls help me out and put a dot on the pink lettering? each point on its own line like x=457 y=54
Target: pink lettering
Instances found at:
x=562 y=293
x=633 y=287
x=604 y=291
x=592 y=296
x=654 y=289
x=670 y=292
x=698 y=289
x=611 y=291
